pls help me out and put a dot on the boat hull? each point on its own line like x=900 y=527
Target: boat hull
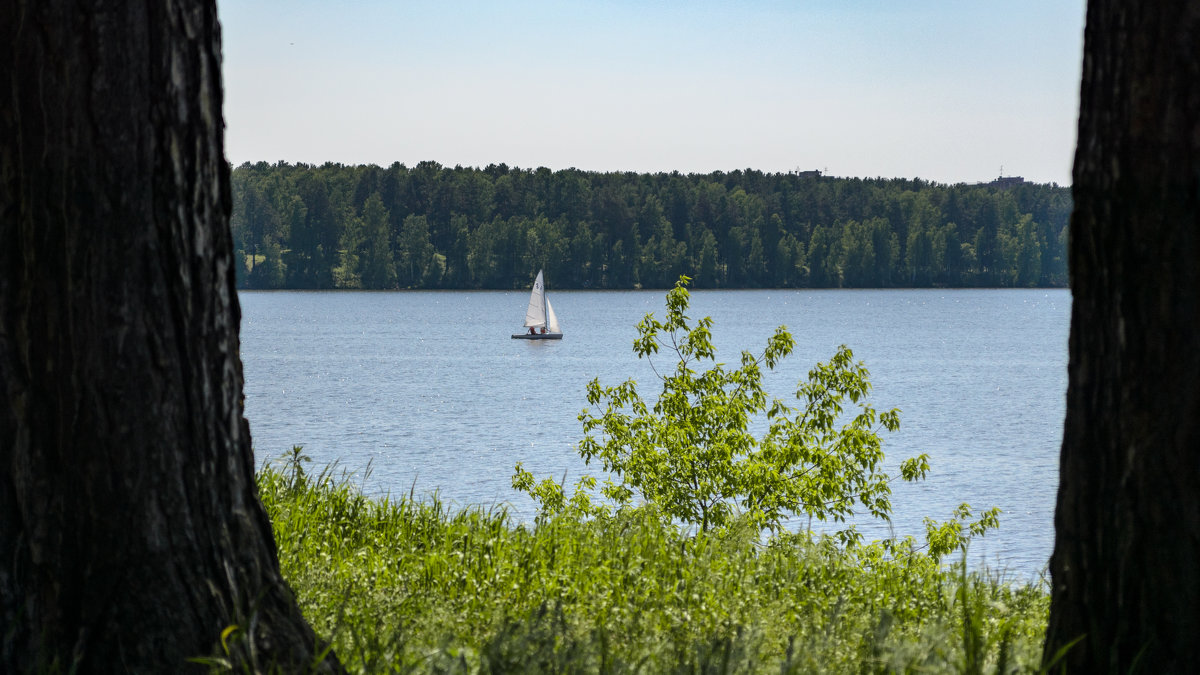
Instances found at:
x=539 y=336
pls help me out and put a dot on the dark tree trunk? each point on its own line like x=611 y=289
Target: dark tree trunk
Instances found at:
x=1126 y=563
x=130 y=530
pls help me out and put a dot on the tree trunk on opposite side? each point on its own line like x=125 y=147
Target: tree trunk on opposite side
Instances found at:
x=1126 y=562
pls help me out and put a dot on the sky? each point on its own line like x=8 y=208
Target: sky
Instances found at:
x=948 y=91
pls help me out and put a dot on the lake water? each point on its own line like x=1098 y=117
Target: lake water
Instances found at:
x=429 y=389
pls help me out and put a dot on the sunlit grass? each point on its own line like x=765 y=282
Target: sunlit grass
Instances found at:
x=408 y=585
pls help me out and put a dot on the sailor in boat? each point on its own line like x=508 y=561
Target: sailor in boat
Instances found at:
x=532 y=331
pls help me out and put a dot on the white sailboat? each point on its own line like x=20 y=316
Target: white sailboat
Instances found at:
x=539 y=316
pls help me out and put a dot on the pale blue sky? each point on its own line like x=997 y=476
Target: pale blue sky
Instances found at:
x=941 y=90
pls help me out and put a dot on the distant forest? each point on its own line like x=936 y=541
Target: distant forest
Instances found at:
x=429 y=226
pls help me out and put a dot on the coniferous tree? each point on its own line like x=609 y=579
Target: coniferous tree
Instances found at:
x=348 y=273
x=378 y=266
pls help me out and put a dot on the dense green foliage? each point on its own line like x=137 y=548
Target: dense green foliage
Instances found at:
x=694 y=456
x=429 y=226
x=404 y=585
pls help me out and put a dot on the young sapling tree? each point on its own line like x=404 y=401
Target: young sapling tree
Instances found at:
x=693 y=456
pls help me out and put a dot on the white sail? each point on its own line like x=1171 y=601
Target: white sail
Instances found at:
x=551 y=319
x=536 y=314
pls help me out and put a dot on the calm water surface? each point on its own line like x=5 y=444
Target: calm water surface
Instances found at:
x=429 y=389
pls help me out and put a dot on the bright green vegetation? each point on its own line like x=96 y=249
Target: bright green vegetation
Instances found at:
x=412 y=585
x=694 y=457
x=430 y=226
x=699 y=576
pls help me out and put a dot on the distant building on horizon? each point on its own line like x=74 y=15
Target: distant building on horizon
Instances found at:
x=814 y=173
x=1005 y=182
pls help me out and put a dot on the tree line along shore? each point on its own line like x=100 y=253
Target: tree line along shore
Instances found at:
x=302 y=226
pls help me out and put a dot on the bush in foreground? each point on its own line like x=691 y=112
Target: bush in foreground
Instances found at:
x=694 y=456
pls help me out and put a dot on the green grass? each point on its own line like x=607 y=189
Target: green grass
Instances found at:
x=409 y=585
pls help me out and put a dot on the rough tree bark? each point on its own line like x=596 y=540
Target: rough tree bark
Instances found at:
x=1126 y=562
x=130 y=530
